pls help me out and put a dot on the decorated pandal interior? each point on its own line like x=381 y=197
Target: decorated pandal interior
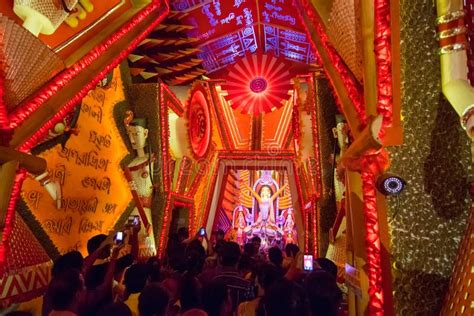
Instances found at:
x=344 y=127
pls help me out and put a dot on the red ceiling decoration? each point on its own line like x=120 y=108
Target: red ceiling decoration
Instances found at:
x=199 y=120
x=225 y=31
x=258 y=83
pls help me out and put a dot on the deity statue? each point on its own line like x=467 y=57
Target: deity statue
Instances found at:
x=139 y=173
x=240 y=223
x=289 y=232
x=265 y=225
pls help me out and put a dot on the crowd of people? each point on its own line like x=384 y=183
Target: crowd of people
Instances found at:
x=196 y=277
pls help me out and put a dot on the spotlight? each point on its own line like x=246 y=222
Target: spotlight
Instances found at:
x=390 y=184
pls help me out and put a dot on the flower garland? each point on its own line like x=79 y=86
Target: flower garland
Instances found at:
x=10 y=216
x=61 y=80
x=164 y=226
x=3 y=109
x=371 y=166
x=383 y=60
x=372 y=240
x=350 y=84
x=317 y=160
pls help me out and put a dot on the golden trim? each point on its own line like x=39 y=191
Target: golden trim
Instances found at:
x=451 y=48
x=87 y=29
x=449 y=17
x=451 y=32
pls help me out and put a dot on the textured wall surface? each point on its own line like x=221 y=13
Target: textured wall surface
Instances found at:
x=326 y=121
x=428 y=219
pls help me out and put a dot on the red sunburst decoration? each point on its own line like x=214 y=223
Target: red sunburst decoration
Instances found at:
x=258 y=83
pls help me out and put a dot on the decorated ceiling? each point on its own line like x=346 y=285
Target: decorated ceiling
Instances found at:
x=211 y=35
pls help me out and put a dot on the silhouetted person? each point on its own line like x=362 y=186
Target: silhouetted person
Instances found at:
x=116 y=309
x=135 y=280
x=324 y=296
x=282 y=299
x=154 y=267
x=216 y=300
x=240 y=290
x=275 y=255
x=291 y=250
x=328 y=266
x=267 y=275
x=67 y=293
x=153 y=301
x=69 y=261
x=190 y=292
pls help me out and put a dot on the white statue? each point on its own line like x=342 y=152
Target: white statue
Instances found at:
x=139 y=173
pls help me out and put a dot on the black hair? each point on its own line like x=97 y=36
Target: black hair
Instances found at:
x=291 y=250
x=154 y=267
x=124 y=262
x=328 y=266
x=70 y=260
x=63 y=289
x=324 y=296
x=267 y=275
x=219 y=246
x=153 y=300
x=230 y=254
x=96 y=275
x=214 y=296
x=281 y=299
x=94 y=243
x=136 y=277
x=246 y=263
x=256 y=239
x=275 y=256
x=116 y=309
x=183 y=233
x=190 y=292
x=195 y=255
x=249 y=249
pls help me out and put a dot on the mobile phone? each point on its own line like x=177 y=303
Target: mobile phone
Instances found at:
x=136 y=220
x=119 y=238
x=308 y=262
x=202 y=231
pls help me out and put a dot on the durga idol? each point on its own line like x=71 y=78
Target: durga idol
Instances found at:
x=139 y=173
x=265 y=225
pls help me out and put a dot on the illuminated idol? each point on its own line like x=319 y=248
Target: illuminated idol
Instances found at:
x=139 y=173
x=265 y=225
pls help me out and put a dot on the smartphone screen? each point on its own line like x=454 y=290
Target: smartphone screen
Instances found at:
x=308 y=263
x=136 y=220
x=202 y=232
x=119 y=237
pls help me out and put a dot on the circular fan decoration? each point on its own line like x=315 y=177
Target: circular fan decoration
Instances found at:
x=258 y=83
x=199 y=119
